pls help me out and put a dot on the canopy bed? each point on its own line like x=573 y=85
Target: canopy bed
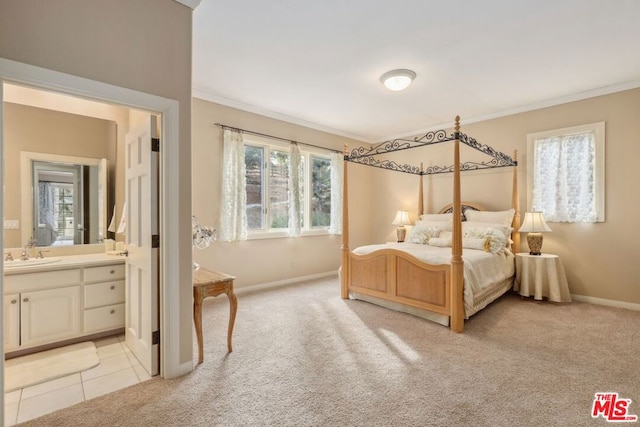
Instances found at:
x=430 y=279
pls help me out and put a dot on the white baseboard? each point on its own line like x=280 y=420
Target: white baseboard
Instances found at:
x=607 y=302
x=284 y=282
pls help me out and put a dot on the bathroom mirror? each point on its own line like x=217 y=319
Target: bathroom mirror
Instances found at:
x=64 y=199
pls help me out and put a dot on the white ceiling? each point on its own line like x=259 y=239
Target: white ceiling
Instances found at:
x=318 y=63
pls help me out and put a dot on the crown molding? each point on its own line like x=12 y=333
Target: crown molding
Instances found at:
x=605 y=90
x=189 y=3
x=216 y=99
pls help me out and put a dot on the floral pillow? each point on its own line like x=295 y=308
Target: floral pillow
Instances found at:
x=422 y=232
x=495 y=238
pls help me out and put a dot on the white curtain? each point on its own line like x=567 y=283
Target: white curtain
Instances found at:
x=564 y=173
x=295 y=191
x=233 y=218
x=45 y=203
x=337 y=168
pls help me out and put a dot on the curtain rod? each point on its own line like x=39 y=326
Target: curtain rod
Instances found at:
x=220 y=125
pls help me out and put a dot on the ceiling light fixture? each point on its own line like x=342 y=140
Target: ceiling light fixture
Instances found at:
x=397 y=79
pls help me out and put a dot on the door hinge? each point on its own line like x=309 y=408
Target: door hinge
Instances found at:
x=155 y=241
x=155 y=144
x=155 y=337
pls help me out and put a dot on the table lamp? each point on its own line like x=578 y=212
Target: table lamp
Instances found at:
x=401 y=219
x=534 y=225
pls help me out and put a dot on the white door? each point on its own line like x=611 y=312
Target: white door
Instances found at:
x=141 y=164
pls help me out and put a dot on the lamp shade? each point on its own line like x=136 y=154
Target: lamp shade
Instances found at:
x=401 y=219
x=534 y=223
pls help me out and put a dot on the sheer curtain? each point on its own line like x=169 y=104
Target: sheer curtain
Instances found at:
x=233 y=218
x=337 y=168
x=295 y=191
x=564 y=174
x=45 y=204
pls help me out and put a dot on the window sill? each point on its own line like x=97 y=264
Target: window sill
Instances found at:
x=285 y=234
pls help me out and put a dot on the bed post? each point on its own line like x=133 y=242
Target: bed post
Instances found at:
x=344 y=282
x=515 y=203
x=421 y=193
x=457 y=303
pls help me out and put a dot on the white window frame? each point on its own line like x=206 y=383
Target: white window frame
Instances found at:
x=599 y=131
x=267 y=145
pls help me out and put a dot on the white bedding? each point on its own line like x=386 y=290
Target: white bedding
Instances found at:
x=483 y=271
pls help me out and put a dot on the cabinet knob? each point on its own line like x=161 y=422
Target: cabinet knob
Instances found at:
x=112 y=271
x=112 y=287
x=25 y=300
x=14 y=301
x=112 y=311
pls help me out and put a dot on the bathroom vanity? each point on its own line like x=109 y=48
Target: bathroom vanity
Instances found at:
x=62 y=299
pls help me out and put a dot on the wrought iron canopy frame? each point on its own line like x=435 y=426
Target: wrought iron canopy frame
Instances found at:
x=367 y=156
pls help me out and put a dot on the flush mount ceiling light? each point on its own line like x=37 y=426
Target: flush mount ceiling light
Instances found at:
x=397 y=79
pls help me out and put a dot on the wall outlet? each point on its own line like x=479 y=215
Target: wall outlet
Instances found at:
x=11 y=224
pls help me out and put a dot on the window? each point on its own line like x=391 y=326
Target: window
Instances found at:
x=63 y=210
x=267 y=185
x=565 y=171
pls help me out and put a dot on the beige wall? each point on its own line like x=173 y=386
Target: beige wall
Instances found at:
x=601 y=260
x=143 y=45
x=52 y=132
x=268 y=260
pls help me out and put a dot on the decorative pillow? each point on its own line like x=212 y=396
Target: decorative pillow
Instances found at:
x=496 y=237
x=467 y=242
x=443 y=225
x=498 y=217
x=505 y=229
x=446 y=235
x=436 y=217
x=440 y=242
x=422 y=232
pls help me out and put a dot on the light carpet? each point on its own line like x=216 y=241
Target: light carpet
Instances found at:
x=25 y=371
x=302 y=356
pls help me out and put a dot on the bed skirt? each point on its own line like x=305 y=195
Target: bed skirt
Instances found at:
x=479 y=302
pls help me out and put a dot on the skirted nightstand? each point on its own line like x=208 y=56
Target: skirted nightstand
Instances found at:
x=541 y=276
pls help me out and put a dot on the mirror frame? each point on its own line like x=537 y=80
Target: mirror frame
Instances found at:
x=26 y=194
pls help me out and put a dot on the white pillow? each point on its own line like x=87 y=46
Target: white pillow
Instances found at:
x=467 y=242
x=436 y=217
x=498 y=217
x=505 y=229
x=443 y=225
x=440 y=242
x=422 y=232
x=496 y=237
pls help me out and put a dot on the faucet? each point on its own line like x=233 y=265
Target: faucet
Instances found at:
x=24 y=256
x=8 y=257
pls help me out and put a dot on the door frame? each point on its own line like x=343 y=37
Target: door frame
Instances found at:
x=42 y=78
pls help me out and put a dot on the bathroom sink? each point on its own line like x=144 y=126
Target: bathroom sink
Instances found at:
x=28 y=263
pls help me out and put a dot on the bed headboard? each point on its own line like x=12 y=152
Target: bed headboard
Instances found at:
x=464 y=206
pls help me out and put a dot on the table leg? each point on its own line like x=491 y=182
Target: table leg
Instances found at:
x=233 y=308
x=197 y=320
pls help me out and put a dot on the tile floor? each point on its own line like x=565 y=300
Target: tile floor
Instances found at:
x=118 y=369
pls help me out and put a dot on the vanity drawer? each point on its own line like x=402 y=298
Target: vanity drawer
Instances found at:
x=104 y=273
x=106 y=293
x=104 y=318
x=44 y=280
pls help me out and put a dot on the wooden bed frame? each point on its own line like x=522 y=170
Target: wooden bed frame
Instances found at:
x=396 y=276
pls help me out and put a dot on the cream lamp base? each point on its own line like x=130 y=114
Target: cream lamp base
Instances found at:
x=402 y=233
x=534 y=240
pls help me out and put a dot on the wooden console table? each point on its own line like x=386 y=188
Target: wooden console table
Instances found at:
x=207 y=283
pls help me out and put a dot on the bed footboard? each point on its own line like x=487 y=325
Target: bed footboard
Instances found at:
x=396 y=276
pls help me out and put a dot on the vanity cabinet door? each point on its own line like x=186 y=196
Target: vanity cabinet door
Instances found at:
x=50 y=315
x=11 y=321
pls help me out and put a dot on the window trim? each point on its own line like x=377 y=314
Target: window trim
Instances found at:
x=599 y=129
x=268 y=145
